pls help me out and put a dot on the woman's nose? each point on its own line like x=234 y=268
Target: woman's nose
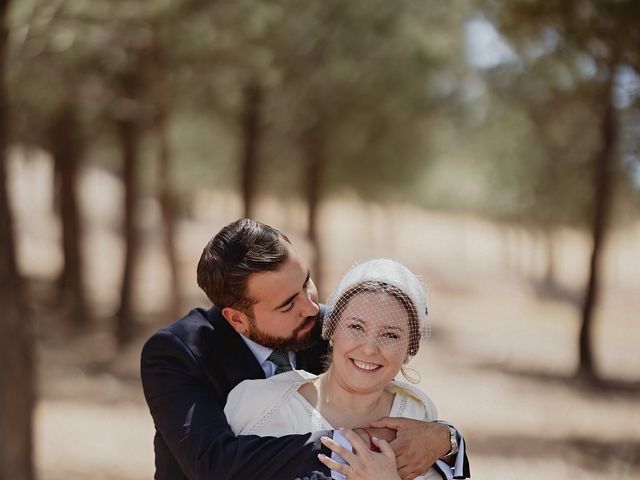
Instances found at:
x=370 y=344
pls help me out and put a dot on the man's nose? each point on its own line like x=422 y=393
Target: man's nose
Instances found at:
x=310 y=308
x=312 y=291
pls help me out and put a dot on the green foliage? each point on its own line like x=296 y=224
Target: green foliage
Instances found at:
x=557 y=85
x=364 y=75
x=400 y=111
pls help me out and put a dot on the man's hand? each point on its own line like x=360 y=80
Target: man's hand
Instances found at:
x=417 y=445
x=386 y=434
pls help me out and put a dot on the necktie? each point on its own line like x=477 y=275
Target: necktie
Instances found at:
x=281 y=359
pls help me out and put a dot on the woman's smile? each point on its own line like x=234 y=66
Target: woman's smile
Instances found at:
x=366 y=366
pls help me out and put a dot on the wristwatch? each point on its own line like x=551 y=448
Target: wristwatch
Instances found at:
x=453 y=438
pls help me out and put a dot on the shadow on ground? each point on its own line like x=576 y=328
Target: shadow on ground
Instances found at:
x=593 y=454
x=592 y=387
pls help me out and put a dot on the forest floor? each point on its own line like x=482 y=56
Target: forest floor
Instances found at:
x=522 y=415
x=499 y=364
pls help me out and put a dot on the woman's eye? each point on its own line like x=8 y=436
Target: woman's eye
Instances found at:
x=391 y=335
x=356 y=326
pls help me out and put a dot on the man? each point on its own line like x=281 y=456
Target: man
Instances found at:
x=265 y=320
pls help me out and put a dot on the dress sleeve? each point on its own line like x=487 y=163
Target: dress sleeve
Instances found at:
x=418 y=405
x=273 y=407
x=250 y=401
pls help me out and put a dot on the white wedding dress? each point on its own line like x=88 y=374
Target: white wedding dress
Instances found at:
x=275 y=407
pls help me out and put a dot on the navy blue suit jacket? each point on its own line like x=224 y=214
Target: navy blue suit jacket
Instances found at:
x=187 y=371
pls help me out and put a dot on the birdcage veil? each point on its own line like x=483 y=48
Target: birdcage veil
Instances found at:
x=380 y=300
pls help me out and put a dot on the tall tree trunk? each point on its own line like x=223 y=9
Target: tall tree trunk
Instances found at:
x=603 y=164
x=128 y=130
x=166 y=198
x=66 y=148
x=17 y=394
x=165 y=191
x=549 y=243
x=314 y=153
x=251 y=135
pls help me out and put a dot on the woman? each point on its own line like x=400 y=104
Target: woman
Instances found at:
x=375 y=321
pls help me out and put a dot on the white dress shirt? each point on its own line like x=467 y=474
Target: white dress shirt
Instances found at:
x=262 y=353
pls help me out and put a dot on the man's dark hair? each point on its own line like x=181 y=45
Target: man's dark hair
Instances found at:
x=238 y=250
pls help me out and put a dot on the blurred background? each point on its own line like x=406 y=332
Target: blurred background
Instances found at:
x=492 y=146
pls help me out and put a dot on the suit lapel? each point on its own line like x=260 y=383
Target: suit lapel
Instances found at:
x=230 y=357
x=230 y=353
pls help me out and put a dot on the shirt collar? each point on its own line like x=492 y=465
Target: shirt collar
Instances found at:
x=259 y=351
x=262 y=353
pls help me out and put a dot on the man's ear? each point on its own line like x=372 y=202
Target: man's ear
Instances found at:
x=237 y=319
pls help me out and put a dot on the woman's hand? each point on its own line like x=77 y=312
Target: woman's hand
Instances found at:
x=363 y=464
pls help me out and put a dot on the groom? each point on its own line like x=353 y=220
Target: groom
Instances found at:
x=265 y=309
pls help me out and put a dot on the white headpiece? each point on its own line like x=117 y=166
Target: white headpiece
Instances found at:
x=381 y=271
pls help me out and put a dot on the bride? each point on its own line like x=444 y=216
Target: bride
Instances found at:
x=374 y=323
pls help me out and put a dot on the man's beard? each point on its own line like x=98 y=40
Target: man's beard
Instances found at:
x=294 y=342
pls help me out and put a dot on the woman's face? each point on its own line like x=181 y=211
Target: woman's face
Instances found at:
x=370 y=342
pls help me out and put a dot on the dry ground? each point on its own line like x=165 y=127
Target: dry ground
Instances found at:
x=498 y=364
